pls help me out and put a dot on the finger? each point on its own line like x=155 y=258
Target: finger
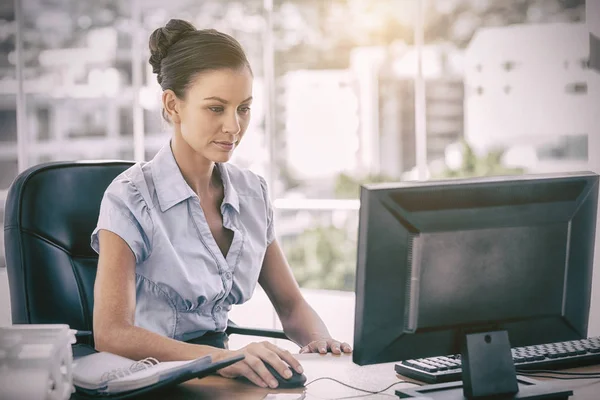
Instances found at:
x=318 y=346
x=313 y=347
x=304 y=349
x=277 y=363
x=346 y=348
x=252 y=376
x=258 y=366
x=287 y=357
x=322 y=346
x=335 y=346
x=271 y=355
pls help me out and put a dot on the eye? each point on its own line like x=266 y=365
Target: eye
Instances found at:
x=216 y=109
x=244 y=109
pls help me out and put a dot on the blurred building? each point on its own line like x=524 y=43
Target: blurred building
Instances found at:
x=362 y=121
x=78 y=102
x=321 y=123
x=365 y=65
x=8 y=116
x=444 y=96
x=8 y=113
x=527 y=92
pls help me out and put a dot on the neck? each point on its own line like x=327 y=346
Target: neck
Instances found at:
x=196 y=170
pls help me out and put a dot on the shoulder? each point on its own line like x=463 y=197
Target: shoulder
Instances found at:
x=247 y=183
x=124 y=212
x=129 y=187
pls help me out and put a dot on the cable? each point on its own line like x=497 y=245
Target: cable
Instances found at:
x=532 y=373
x=362 y=396
x=356 y=396
x=356 y=388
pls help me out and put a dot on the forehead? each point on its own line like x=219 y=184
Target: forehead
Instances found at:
x=234 y=85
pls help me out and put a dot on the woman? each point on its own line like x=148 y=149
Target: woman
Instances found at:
x=186 y=235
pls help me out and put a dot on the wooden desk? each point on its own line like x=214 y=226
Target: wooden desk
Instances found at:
x=371 y=377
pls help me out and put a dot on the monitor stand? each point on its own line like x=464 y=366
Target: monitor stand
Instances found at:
x=488 y=371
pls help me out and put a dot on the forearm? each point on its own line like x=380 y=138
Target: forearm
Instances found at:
x=303 y=325
x=137 y=343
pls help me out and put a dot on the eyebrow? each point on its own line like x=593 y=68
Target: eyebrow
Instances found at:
x=223 y=100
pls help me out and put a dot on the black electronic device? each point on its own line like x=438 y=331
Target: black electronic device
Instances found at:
x=474 y=266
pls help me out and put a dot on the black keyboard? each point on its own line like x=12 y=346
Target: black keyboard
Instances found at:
x=560 y=355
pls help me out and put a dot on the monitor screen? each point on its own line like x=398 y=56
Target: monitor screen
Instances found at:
x=439 y=259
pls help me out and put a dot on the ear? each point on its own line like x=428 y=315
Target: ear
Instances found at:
x=171 y=105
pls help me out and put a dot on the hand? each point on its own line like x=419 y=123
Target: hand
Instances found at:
x=252 y=366
x=324 y=345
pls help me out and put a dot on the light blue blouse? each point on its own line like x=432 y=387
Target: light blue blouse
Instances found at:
x=184 y=285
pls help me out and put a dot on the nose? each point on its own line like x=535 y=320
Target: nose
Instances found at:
x=231 y=124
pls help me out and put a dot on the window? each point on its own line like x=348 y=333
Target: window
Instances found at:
x=509 y=65
x=125 y=121
x=341 y=78
x=9 y=169
x=534 y=96
x=8 y=121
x=576 y=88
x=77 y=78
x=565 y=148
x=330 y=96
x=43 y=123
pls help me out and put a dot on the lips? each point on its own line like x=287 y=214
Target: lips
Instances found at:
x=227 y=146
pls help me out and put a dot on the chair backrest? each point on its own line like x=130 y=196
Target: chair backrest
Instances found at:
x=51 y=211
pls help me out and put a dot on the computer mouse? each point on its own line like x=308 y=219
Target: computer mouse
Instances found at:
x=297 y=379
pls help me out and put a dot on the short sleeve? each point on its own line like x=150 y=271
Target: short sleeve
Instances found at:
x=124 y=212
x=269 y=206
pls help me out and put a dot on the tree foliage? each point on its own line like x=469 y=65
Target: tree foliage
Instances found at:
x=472 y=165
x=348 y=187
x=323 y=257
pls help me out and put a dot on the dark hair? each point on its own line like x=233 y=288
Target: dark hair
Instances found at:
x=179 y=52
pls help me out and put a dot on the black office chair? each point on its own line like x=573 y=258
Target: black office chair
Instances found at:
x=51 y=211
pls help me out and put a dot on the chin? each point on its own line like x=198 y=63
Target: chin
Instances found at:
x=220 y=158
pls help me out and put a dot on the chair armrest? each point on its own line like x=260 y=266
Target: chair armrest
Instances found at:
x=232 y=328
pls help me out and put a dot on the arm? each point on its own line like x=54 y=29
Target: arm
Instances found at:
x=300 y=321
x=114 y=330
x=114 y=310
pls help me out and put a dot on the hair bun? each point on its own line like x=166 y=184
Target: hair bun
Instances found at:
x=163 y=38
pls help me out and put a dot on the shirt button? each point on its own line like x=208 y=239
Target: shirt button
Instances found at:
x=228 y=275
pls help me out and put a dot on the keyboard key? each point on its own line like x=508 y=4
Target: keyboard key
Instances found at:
x=424 y=366
x=595 y=350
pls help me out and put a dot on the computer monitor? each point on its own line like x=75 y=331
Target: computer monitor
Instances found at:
x=437 y=259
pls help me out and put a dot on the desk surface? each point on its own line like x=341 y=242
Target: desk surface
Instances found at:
x=371 y=377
